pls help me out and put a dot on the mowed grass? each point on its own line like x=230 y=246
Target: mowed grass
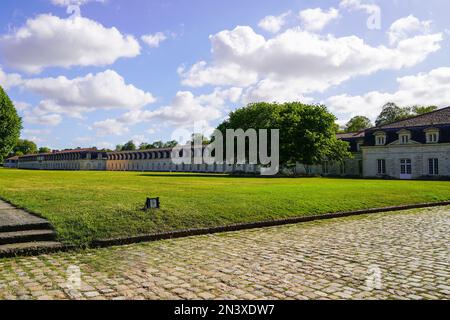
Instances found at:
x=84 y=206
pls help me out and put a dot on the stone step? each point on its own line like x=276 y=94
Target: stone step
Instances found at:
x=27 y=236
x=29 y=248
x=25 y=227
x=12 y=219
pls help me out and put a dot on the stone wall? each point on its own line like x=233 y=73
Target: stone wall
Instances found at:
x=418 y=153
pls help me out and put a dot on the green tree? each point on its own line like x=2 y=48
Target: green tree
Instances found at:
x=25 y=147
x=418 y=110
x=44 y=150
x=129 y=146
x=119 y=147
x=358 y=123
x=157 y=145
x=392 y=113
x=170 y=144
x=10 y=125
x=307 y=132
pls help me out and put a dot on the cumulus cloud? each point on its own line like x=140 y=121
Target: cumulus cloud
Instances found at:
x=34 y=117
x=432 y=88
x=184 y=110
x=358 y=5
x=9 y=80
x=274 y=23
x=406 y=27
x=110 y=127
x=317 y=19
x=65 y=43
x=301 y=62
x=201 y=74
x=104 y=90
x=154 y=40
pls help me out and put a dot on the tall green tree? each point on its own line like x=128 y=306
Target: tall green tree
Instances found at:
x=10 y=125
x=25 y=147
x=358 y=123
x=418 y=110
x=129 y=146
x=170 y=144
x=307 y=132
x=392 y=113
x=44 y=150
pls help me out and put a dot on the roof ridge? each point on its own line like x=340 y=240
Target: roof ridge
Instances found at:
x=413 y=117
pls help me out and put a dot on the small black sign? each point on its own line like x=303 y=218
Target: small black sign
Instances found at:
x=152 y=203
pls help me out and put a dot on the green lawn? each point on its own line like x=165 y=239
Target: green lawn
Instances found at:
x=95 y=205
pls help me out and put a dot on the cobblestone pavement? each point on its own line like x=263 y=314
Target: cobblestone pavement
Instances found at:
x=403 y=255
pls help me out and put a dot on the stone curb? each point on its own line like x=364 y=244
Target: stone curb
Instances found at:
x=245 y=226
x=36 y=251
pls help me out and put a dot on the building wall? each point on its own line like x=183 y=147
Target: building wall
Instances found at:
x=166 y=165
x=91 y=165
x=418 y=153
x=8 y=164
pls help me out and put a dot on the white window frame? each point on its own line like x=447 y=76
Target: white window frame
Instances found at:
x=405 y=166
x=381 y=166
x=433 y=137
x=433 y=166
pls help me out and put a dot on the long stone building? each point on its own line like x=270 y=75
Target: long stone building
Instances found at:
x=415 y=148
x=142 y=160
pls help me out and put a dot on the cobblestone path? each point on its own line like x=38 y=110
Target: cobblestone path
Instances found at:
x=402 y=255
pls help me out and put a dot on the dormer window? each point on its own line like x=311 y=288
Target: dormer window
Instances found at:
x=404 y=136
x=404 y=139
x=432 y=135
x=380 y=138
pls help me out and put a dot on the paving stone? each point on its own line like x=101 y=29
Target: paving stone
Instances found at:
x=402 y=255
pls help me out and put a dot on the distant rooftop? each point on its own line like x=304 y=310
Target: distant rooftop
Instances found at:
x=438 y=117
x=351 y=135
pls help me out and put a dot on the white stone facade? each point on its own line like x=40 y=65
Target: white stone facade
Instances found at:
x=419 y=154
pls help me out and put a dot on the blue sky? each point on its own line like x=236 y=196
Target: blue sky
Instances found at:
x=149 y=70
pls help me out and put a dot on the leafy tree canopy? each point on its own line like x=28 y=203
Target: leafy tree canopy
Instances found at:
x=307 y=132
x=358 y=123
x=44 y=150
x=392 y=113
x=418 y=110
x=25 y=147
x=129 y=146
x=10 y=125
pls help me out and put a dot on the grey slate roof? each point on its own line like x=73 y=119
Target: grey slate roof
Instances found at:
x=438 y=117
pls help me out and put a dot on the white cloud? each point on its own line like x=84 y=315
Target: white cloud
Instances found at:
x=45 y=119
x=65 y=3
x=360 y=6
x=201 y=74
x=432 y=88
x=104 y=90
x=22 y=106
x=9 y=80
x=138 y=139
x=39 y=132
x=110 y=127
x=184 y=111
x=274 y=23
x=154 y=40
x=65 y=43
x=405 y=27
x=297 y=62
x=317 y=19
